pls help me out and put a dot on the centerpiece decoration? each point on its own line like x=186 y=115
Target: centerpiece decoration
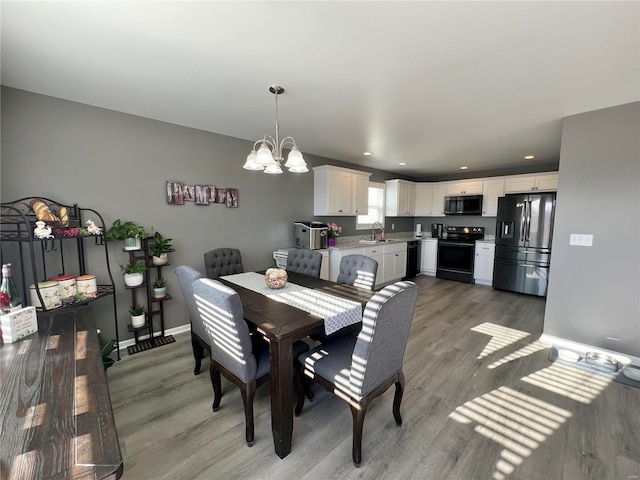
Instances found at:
x=334 y=232
x=275 y=277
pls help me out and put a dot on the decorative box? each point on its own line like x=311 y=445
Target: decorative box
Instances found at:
x=19 y=324
x=50 y=295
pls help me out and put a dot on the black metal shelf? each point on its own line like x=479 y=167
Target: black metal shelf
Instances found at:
x=18 y=222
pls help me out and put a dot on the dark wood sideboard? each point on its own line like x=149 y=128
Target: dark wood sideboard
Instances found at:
x=55 y=411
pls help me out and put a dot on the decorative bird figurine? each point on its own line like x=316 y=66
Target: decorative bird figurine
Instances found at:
x=92 y=228
x=42 y=230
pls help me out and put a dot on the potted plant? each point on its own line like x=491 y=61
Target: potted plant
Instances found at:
x=334 y=230
x=160 y=248
x=159 y=288
x=133 y=274
x=130 y=233
x=137 y=316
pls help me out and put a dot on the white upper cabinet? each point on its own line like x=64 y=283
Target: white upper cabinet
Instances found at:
x=400 y=198
x=468 y=187
x=527 y=183
x=491 y=191
x=339 y=191
x=360 y=193
x=430 y=199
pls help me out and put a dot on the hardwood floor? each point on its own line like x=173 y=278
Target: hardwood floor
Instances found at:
x=482 y=401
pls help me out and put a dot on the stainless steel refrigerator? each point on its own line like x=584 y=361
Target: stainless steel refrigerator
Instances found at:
x=524 y=232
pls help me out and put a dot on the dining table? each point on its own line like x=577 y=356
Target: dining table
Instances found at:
x=281 y=325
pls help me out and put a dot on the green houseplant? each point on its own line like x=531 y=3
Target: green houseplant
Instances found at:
x=133 y=274
x=160 y=248
x=159 y=288
x=129 y=232
x=137 y=316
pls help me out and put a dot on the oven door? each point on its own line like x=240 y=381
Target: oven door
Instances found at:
x=455 y=260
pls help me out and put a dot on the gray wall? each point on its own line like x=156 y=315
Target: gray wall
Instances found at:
x=593 y=291
x=118 y=164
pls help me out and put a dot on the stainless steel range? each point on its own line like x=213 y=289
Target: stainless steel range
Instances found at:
x=456 y=253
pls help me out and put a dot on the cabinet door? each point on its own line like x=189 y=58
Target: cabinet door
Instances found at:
x=439 y=192
x=377 y=255
x=424 y=199
x=547 y=182
x=454 y=188
x=472 y=188
x=411 y=199
x=360 y=194
x=483 y=265
x=429 y=257
x=519 y=184
x=492 y=190
x=399 y=265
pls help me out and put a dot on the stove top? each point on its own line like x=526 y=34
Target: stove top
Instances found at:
x=464 y=233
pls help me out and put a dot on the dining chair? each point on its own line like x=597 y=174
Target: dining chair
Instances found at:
x=199 y=338
x=358 y=270
x=223 y=261
x=359 y=369
x=242 y=361
x=304 y=261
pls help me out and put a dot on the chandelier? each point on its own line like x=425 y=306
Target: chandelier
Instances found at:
x=268 y=157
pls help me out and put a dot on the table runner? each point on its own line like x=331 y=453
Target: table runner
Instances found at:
x=337 y=312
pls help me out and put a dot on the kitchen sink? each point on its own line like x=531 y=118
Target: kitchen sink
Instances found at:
x=374 y=242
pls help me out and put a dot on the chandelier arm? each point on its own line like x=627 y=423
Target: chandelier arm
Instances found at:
x=287 y=140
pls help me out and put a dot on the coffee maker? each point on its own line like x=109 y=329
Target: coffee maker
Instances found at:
x=437 y=230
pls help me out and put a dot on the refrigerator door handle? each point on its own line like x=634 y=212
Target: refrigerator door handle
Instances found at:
x=528 y=226
x=523 y=226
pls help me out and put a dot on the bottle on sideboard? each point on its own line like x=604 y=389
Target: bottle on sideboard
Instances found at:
x=9 y=294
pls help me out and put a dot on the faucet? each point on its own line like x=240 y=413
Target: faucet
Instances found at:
x=373 y=229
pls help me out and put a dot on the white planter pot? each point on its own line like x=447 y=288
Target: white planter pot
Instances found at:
x=133 y=279
x=163 y=259
x=132 y=244
x=137 y=321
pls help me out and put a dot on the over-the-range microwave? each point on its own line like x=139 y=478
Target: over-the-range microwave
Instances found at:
x=463 y=205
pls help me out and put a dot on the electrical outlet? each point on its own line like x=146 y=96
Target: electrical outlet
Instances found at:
x=393 y=226
x=582 y=240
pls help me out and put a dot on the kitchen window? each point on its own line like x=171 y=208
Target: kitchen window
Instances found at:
x=376 y=207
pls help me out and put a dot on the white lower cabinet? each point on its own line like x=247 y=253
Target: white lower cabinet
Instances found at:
x=429 y=257
x=483 y=266
x=377 y=254
x=394 y=262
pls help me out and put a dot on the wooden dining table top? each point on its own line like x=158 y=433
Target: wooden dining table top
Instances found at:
x=278 y=320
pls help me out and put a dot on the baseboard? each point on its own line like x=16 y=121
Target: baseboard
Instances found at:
x=172 y=331
x=583 y=348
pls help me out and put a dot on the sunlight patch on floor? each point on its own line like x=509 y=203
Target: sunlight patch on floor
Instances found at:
x=518 y=422
x=523 y=352
x=502 y=337
x=570 y=382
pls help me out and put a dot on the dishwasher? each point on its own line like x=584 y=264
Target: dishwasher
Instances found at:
x=413 y=258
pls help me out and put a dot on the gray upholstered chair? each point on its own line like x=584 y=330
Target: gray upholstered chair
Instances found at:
x=358 y=369
x=358 y=270
x=304 y=261
x=199 y=339
x=233 y=353
x=223 y=261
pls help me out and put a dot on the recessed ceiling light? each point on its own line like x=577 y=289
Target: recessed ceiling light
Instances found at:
x=463 y=168
x=402 y=163
x=367 y=154
x=529 y=157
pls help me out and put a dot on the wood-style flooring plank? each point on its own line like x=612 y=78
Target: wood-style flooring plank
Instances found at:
x=478 y=404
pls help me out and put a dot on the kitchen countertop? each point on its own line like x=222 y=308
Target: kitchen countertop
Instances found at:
x=354 y=242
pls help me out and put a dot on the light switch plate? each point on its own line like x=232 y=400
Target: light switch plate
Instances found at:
x=581 y=239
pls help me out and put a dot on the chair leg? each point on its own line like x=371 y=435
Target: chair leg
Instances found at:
x=358 y=415
x=397 y=398
x=248 y=394
x=198 y=353
x=217 y=386
x=307 y=385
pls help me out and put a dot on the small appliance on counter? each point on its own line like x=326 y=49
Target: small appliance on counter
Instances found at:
x=437 y=230
x=311 y=235
x=418 y=230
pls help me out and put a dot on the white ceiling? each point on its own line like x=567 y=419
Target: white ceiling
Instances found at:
x=435 y=84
